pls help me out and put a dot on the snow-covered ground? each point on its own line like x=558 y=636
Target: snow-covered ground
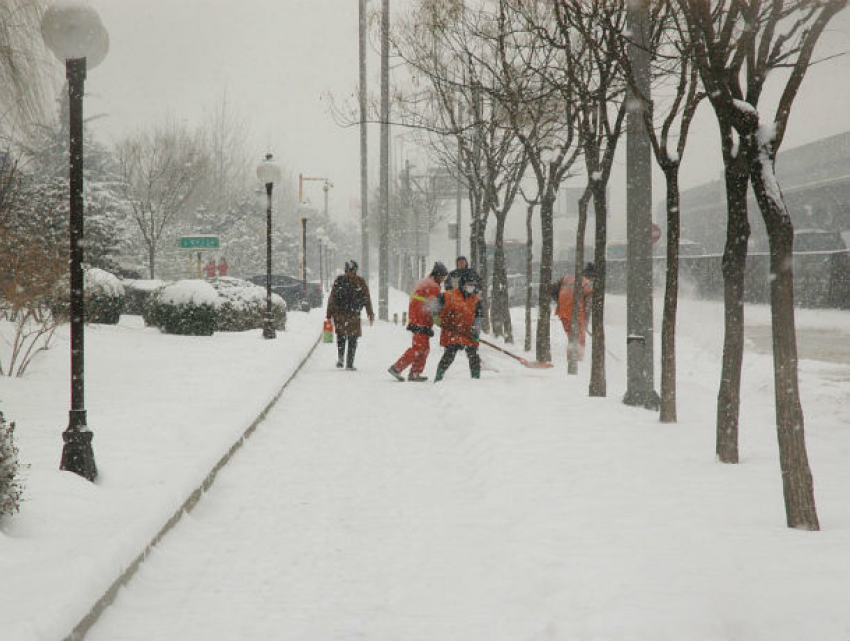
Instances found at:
x=514 y=507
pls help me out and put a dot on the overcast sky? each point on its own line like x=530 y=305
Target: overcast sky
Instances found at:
x=277 y=59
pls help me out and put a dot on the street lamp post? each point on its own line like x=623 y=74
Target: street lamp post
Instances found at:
x=268 y=171
x=304 y=304
x=321 y=267
x=77 y=37
x=326 y=188
x=327 y=185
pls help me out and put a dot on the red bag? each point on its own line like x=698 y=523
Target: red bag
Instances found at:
x=328 y=331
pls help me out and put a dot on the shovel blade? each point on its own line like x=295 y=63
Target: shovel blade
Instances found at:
x=536 y=365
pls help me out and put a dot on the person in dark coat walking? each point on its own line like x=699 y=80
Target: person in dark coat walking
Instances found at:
x=348 y=296
x=463 y=270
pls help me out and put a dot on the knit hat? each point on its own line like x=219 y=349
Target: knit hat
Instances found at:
x=351 y=265
x=590 y=270
x=439 y=270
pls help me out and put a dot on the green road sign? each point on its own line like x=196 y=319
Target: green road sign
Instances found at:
x=199 y=242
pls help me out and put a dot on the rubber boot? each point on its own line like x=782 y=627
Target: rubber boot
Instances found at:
x=476 y=373
x=439 y=375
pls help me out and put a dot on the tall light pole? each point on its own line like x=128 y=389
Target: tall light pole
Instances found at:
x=459 y=182
x=305 y=306
x=321 y=266
x=268 y=171
x=326 y=188
x=639 y=339
x=384 y=233
x=77 y=37
x=364 y=174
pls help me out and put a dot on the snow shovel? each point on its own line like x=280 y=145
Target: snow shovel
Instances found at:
x=525 y=362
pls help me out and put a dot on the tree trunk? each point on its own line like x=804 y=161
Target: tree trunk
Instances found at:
x=598 y=383
x=671 y=300
x=151 y=260
x=496 y=306
x=543 y=350
x=480 y=256
x=797 y=484
x=529 y=260
x=581 y=227
x=500 y=314
x=734 y=264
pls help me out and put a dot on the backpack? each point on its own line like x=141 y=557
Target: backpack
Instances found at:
x=348 y=295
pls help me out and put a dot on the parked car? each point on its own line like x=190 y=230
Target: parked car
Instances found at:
x=291 y=290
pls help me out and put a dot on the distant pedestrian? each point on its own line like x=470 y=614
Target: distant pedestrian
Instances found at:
x=460 y=326
x=348 y=296
x=424 y=304
x=462 y=269
x=564 y=293
x=223 y=267
x=210 y=269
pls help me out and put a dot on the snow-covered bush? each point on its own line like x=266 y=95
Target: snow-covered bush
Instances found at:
x=10 y=484
x=137 y=292
x=188 y=307
x=243 y=305
x=104 y=301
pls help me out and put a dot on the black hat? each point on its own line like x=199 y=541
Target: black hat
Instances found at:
x=439 y=269
x=351 y=265
x=590 y=270
x=461 y=258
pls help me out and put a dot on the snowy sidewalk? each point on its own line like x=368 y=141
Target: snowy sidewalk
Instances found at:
x=164 y=410
x=514 y=507
x=508 y=508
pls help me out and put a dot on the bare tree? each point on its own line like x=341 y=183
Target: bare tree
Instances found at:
x=23 y=64
x=230 y=168
x=737 y=44
x=161 y=170
x=33 y=266
x=586 y=31
x=667 y=123
x=542 y=113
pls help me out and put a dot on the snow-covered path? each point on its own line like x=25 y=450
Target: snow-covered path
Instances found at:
x=364 y=508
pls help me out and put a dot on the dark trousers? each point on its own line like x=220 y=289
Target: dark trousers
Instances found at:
x=352 y=348
x=451 y=352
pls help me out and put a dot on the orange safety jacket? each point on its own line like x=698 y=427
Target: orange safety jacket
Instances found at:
x=421 y=309
x=564 y=308
x=457 y=318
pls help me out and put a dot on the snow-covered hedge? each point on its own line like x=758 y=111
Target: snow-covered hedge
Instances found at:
x=188 y=307
x=243 y=305
x=10 y=484
x=104 y=298
x=137 y=292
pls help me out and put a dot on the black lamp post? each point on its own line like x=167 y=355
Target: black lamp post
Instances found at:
x=76 y=36
x=305 y=305
x=268 y=171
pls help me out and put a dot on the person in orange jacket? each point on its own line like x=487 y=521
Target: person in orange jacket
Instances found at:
x=423 y=305
x=564 y=293
x=210 y=269
x=460 y=326
x=223 y=267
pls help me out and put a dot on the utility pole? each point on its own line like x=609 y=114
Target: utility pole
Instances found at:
x=384 y=241
x=639 y=340
x=459 y=181
x=364 y=174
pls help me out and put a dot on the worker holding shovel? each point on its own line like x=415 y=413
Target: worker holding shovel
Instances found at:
x=424 y=302
x=460 y=326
